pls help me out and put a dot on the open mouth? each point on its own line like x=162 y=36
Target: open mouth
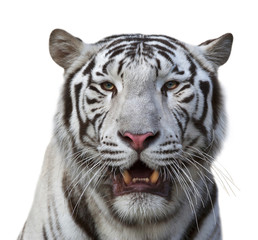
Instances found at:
x=140 y=178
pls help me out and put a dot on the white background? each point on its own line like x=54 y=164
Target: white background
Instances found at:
x=31 y=81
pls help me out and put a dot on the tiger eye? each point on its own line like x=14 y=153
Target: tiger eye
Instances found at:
x=171 y=85
x=108 y=86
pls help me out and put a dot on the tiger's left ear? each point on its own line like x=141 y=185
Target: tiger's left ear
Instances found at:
x=218 y=50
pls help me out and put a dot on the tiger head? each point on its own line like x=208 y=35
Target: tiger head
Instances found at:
x=140 y=119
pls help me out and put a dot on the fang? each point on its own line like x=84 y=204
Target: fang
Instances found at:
x=154 y=177
x=127 y=177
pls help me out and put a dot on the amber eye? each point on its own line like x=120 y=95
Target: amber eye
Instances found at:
x=108 y=86
x=171 y=85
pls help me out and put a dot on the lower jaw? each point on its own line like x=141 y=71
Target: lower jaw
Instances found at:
x=160 y=187
x=162 y=190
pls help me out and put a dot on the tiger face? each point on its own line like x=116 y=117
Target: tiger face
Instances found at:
x=138 y=117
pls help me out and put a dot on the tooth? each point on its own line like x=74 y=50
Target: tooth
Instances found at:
x=154 y=177
x=134 y=180
x=127 y=177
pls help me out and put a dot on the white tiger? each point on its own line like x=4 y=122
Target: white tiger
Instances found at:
x=139 y=121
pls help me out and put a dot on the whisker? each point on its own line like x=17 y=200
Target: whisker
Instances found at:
x=220 y=173
x=184 y=186
x=86 y=187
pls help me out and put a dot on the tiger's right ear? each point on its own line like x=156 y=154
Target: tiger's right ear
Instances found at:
x=64 y=48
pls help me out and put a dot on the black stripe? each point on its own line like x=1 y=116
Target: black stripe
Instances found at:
x=183 y=88
x=185 y=115
x=121 y=64
x=131 y=54
x=158 y=67
x=111 y=152
x=100 y=74
x=205 y=88
x=110 y=144
x=45 y=237
x=199 y=125
x=127 y=40
x=96 y=90
x=182 y=120
x=192 y=69
x=115 y=53
x=57 y=222
x=187 y=99
x=158 y=64
x=123 y=46
x=175 y=70
x=67 y=99
x=167 y=143
x=193 y=141
x=197 y=103
x=89 y=67
x=95 y=109
x=55 y=227
x=104 y=68
x=101 y=123
x=116 y=42
x=81 y=215
x=179 y=123
x=92 y=101
x=77 y=91
x=170 y=39
x=166 y=151
x=165 y=42
x=147 y=50
x=168 y=159
x=50 y=221
x=157 y=71
x=163 y=49
x=216 y=99
x=166 y=56
x=148 y=55
x=95 y=118
x=83 y=125
x=114 y=159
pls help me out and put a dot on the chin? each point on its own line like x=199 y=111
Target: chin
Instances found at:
x=141 y=208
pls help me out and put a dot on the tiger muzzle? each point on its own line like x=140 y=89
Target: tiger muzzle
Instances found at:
x=140 y=178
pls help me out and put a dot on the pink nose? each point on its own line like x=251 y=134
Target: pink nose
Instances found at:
x=137 y=140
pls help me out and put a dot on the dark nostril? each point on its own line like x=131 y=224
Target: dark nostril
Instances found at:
x=138 y=141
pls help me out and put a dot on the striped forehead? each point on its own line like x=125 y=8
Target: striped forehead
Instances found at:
x=157 y=51
x=139 y=45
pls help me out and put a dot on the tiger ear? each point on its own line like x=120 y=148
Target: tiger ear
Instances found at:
x=64 y=48
x=218 y=50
